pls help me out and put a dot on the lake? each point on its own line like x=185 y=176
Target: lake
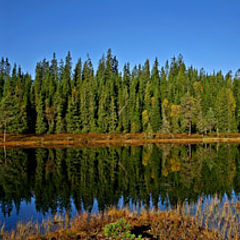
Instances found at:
x=38 y=183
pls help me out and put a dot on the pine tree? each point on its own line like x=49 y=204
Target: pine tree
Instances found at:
x=155 y=113
x=166 y=128
x=199 y=118
x=77 y=77
x=4 y=74
x=7 y=116
x=188 y=109
x=113 y=116
x=60 y=119
x=13 y=108
x=73 y=121
x=226 y=121
x=210 y=120
x=41 y=126
x=88 y=99
x=175 y=116
x=236 y=92
x=146 y=114
x=51 y=82
x=136 y=125
x=163 y=82
x=123 y=100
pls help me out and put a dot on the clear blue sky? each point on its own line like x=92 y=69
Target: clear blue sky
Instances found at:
x=205 y=32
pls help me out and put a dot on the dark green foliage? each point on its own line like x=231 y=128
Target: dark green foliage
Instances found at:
x=188 y=109
x=40 y=122
x=73 y=120
x=119 y=230
x=173 y=99
x=13 y=105
x=155 y=114
x=226 y=111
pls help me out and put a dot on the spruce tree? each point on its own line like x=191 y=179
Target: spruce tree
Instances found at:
x=226 y=121
x=41 y=126
x=210 y=120
x=187 y=110
x=155 y=113
x=113 y=116
x=199 y=117
x=175 y=116
x=73 y=120
x=166 y=128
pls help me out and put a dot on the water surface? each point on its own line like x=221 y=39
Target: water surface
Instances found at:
x=38 y=183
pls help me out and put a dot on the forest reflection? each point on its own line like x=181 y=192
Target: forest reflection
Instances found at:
x=166 y=173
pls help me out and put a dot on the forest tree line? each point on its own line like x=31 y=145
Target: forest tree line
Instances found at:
x=63 y=98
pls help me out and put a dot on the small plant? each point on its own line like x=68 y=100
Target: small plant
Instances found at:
x=119 y=230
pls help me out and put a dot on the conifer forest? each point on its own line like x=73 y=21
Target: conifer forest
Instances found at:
x=63 y=98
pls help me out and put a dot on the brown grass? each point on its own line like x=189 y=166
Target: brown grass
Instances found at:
x=209 y=221
x=94 y=139
x=150 y=225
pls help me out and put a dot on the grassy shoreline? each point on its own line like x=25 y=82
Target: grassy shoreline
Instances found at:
x=116 y=224
x=94 y=139
x=214 y=220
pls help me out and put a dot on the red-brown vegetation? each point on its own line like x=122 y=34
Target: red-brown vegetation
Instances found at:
x=113 y=139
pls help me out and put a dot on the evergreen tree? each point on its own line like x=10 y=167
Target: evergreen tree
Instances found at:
x=236 y=92
x=123 y=100
x=155 y=114
x=210 y=120
x=226 y=121
x=77 y=77
x=187 y=110
x=166 y=128
x=175 y=99
x=175 y=116
x=73 y=121
x=146 y=114
x=113 y=116
x=41 y=126
x=200 y=120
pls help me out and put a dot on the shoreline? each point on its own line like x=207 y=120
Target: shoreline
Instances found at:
x=118 y=224
x=112 y=139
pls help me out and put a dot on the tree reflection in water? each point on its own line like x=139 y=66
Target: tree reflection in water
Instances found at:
x=164 y=174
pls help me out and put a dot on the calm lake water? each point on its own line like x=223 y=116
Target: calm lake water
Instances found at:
x=38 y=183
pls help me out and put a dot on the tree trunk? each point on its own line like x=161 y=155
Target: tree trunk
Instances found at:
x=190 y=128
x=4 y=134
x=5 y=154
x=189 y=151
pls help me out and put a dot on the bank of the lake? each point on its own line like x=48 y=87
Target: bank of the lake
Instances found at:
x=112 y=139
x=123 y=224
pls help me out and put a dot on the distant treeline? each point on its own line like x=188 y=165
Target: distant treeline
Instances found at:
x=67 y=99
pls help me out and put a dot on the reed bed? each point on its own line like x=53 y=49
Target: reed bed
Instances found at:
x=211 y=219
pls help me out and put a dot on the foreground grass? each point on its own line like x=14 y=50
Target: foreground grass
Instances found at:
x=162 y=225
x=207 y=221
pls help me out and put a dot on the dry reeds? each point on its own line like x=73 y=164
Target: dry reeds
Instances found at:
x=209 y=219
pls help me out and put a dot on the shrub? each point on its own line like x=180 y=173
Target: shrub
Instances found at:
x=119 y=230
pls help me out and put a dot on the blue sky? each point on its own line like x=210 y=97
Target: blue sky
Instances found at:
x=205 y=32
